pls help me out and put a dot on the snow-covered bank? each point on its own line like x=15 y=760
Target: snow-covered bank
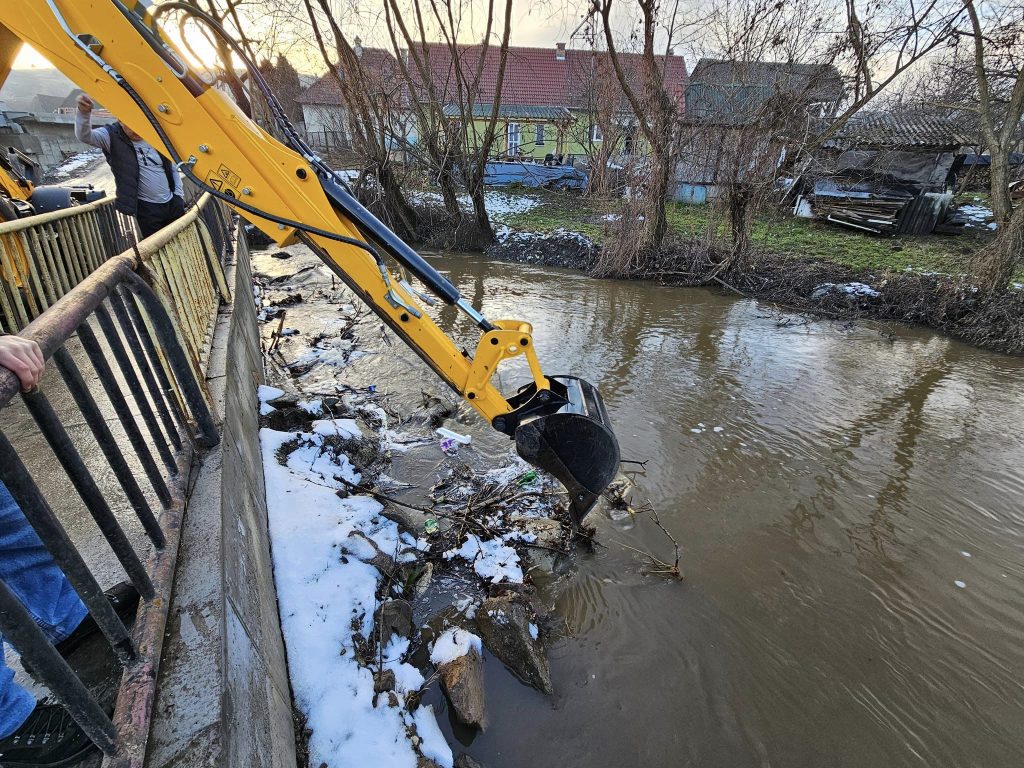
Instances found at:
x=500 y=205
x=75 y=164
x=378 y=601
x=327 y=593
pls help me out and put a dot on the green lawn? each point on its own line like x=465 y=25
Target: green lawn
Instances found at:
x=800 y=238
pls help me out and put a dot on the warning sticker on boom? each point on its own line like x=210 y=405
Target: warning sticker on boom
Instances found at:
x=224 y=180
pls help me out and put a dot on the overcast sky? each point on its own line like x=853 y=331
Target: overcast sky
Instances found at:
x=534 y=23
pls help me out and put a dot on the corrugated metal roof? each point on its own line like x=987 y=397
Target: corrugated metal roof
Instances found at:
x=885 y=129
x=512 y=111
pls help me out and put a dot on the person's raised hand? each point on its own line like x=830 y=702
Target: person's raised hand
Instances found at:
x=24 y=358
x=85 y=104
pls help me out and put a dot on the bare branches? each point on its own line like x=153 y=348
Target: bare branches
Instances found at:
x=655 y=566
x=654 y=116
x=372 y=102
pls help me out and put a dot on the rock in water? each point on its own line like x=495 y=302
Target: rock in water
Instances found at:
x=463 y=680
x=465 y=761
x=394 y=617
x=508 y=628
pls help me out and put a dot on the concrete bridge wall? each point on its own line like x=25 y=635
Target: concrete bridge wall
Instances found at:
x=224 y=698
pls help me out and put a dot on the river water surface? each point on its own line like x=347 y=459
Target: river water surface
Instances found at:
x=851 y=534
x=858 y=481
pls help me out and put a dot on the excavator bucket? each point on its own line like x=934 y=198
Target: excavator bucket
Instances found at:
x=575 y=444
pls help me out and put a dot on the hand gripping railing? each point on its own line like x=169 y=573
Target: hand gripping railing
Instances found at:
x=146 y=364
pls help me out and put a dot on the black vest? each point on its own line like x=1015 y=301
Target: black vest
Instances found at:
x=125 y=165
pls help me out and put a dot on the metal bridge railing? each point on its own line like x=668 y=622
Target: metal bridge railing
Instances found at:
x=43 y=257
x=128 y=348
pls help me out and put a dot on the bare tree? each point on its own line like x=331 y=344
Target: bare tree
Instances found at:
x=755 y=105
x=981 y=86
x=229 y=14
x=883 y=41
x=427 y=100
x=373 y=98
x=463 y=83
x=999 y=74
x=654 y=109
x=608 y=131
x=263 y=29
x=780 y=121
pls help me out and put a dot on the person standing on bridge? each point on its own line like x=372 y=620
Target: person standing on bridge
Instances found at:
x=33 y=733
x=148 y=186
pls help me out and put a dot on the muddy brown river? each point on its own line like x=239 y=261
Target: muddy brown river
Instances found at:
x=849 y=505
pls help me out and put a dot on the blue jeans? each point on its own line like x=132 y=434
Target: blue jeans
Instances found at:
x=30 y=573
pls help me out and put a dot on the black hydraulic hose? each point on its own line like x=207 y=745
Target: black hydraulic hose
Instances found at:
x=333 y=183
x=229 y=199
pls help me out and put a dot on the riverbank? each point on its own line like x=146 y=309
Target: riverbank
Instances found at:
x=393 y=580
x=795 y=263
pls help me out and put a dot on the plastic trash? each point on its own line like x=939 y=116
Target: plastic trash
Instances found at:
x=430 y=526
x=460 y=439
x=450 y=447
x=527 y=477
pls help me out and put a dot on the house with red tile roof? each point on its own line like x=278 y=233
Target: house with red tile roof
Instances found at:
x=550 y=98
x=323 y=108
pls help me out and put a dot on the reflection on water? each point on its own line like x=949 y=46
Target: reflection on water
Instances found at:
x=855 y=479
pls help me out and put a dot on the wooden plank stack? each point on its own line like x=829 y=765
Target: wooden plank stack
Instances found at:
x=879 y=216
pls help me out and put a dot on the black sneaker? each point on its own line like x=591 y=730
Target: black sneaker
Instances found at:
x=123 y=598
x=48 y=739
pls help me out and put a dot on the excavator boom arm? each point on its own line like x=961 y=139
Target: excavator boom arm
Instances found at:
x=114 y=51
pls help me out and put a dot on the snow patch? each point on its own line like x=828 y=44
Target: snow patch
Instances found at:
x=500 y=205
x=343 y=428
x=850 y=289
x=976 y=216
x=492 y=559
x=75 y=163
x=265 y=393
x=452 y=644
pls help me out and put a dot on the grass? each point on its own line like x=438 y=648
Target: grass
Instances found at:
x=774 y=232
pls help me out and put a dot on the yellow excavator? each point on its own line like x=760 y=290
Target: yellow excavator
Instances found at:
x=20 y=194
x=116 y=52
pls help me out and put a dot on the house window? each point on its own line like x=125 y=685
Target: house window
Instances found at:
x=514 y=138
x=540 y=134
x=595 y=134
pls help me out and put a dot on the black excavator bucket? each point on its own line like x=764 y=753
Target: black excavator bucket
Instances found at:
x=575 y=444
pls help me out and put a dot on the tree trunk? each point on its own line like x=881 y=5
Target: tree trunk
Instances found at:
x=739 y=222
x=446 y=181
x=657 y=221
x=483 y=221
x=404 y=221
x=999 y=185
x=994 y=265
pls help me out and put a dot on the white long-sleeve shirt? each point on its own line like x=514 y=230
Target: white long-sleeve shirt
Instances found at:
x=153 y=187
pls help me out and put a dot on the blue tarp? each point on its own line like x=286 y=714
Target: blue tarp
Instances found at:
x=501 y=174
x=1016 y=158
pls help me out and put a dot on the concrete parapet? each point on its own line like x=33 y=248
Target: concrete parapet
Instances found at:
x=224 y=698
